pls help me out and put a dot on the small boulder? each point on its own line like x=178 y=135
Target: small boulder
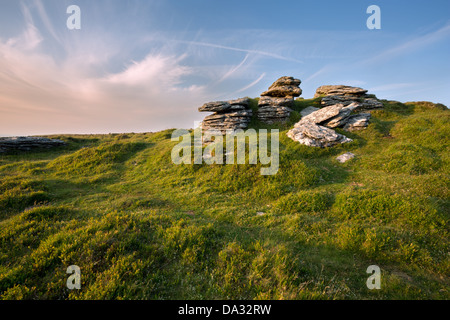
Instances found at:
x=345 y=157
x=284 y=87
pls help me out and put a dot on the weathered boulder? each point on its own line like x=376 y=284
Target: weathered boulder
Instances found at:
x=275 y=104
x=221 y=106
x=339 y=90
x=332 y=117
x=315 y=127
x=332 y=100
x=28 y=143
x=216 y=106
x=272 y=114
x=371 y=103
x=284 y=87
x=341 y=118
x=275 y=101
x=314 y=135
x=339 y=94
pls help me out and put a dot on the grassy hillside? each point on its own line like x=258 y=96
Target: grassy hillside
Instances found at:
x=140 y=227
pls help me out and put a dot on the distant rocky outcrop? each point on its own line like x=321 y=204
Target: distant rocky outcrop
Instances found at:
x=275 y=104
x=228 y=115
x=28 y=143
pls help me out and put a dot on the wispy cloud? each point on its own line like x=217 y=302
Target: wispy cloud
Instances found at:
x=46 y=20
x=46 y=96
x=322 y=71
x=251 y=84
x=258 y=52
x=234 y=69
x=411 y=45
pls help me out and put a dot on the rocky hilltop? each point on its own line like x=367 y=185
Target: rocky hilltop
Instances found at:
x=341 y=106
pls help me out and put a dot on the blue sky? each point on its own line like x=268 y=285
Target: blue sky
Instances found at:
x=139 y=65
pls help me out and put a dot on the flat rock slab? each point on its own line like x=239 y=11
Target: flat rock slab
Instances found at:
x=339 y=90
x=275 y=101
x=332 y=116
x=371 y=103
x=224 y=106
x=283 y=91
x=322 y=115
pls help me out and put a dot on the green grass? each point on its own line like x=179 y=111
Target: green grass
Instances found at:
x=140 y=227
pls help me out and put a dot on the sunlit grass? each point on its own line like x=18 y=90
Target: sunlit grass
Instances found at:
x=140 y=227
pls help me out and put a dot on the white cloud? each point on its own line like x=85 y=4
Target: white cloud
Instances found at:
x=159 y=71
x=41 y=96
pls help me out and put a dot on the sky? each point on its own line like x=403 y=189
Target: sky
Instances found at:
x=148 y=65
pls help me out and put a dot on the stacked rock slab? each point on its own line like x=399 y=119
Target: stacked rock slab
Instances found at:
x=228 y=116
x=331 y=117
x=28 y=143
x=316 y=126
x=311 y=134
x=339 y=116
x=275 y=103
x=339 y=94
